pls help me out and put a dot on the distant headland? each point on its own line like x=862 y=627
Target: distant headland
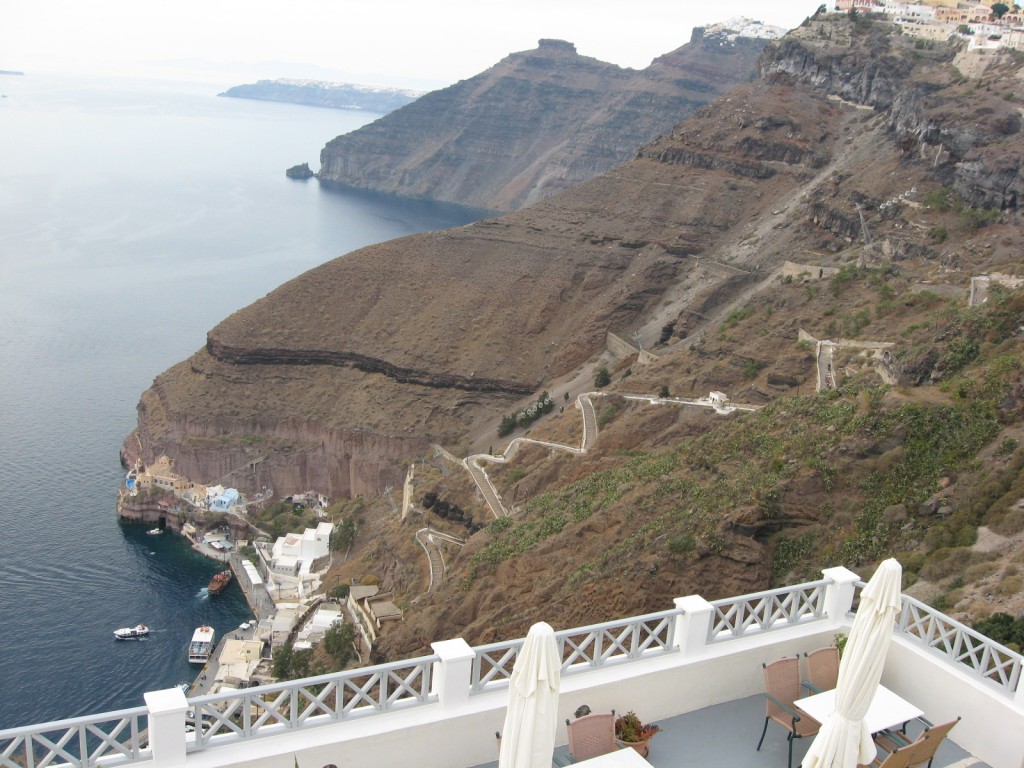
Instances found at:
x=320 y=93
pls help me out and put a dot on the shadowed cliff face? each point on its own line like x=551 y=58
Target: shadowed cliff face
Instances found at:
x=535 y=124
x=432 y=338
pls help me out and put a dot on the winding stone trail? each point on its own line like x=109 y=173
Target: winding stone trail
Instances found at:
x=433 y=557
x=483 y=482
x=585 y=405
x=590 y=429
x=428 y=539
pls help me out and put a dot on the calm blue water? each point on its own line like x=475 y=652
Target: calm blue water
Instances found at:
x=133 y=217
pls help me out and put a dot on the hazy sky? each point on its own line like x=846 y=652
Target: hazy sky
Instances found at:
x=402 y=42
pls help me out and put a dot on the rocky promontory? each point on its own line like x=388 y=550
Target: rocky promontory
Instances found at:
x=539 y=121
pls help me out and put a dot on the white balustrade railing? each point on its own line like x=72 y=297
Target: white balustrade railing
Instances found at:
x=310 y=701
x=583 y=648
x=763 y=611
x=112 y=737
x=446 y=680
x=981 y=656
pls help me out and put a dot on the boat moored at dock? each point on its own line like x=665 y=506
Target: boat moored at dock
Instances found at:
x=201 y=645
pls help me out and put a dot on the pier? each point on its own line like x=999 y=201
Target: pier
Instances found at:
x=260 y=603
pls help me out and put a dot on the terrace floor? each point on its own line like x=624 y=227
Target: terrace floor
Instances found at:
x=726 y=735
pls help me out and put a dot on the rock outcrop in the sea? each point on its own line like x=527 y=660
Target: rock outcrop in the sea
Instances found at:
x=300 y=172
x=538 y=122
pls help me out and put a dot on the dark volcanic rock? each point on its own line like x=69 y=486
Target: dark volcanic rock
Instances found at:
x=301 y=172
x=535 y=124
x=975 y=148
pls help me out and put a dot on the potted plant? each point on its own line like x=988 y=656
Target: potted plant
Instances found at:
x=630 y=732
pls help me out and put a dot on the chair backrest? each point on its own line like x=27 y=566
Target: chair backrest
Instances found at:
x=592 y=735
x=782 y=680
x=823 y=668
x=922 y=750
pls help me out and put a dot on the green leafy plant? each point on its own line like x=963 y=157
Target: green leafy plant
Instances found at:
x=1008 y=446
x=840 y=641
x=630 y=729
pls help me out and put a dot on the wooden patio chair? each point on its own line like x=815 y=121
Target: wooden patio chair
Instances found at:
x=782 y=688
x=822 y=669
x=915 y=753
x=591 y=735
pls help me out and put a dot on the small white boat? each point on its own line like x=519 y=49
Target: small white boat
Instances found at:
x=155 y=531
x=131 y=633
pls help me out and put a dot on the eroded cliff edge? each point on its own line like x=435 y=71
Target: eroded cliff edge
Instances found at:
x=538 y=122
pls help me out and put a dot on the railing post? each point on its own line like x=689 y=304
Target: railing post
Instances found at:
x=452 y=678
x=167 y=726
x=693 y=624
x=839 y=593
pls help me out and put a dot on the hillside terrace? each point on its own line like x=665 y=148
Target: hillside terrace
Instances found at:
x=695 y=669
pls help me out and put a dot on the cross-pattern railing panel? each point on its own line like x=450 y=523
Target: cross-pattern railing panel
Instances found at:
x=979 y=655
x=584 y=648
x=81 y=742
x=763 y=611
x=309 y=702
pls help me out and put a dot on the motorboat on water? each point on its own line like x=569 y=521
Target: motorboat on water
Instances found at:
x=201 y=645
x=155 y=531
x=131 y=633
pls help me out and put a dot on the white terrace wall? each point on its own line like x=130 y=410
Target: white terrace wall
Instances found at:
x=457 y=728
x=992 y=728
x=434 y=736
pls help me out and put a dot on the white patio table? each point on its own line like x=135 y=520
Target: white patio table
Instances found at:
x=887 y=710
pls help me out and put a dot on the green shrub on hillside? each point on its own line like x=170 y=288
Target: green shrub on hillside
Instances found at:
x=976 y=218
x=871 y=455
x=1003 y=628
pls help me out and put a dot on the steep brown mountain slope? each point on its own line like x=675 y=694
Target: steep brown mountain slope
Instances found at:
x=536 y=123
x=433 y=338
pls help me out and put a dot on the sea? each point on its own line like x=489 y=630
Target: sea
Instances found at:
x=134 y=216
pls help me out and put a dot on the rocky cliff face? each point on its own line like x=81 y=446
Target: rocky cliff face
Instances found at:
x=441 y=331
x=535 y=124
x=968 y=131
x=439 y=335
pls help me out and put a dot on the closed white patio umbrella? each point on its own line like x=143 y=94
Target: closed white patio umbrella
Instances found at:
x=844 y=740
x=528 y=738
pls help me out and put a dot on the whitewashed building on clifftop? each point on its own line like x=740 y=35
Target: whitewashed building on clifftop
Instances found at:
x=295 y=554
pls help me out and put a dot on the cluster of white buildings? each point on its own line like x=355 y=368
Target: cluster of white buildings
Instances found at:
x=161 y=475
x=940 y=19
x=296 y=556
